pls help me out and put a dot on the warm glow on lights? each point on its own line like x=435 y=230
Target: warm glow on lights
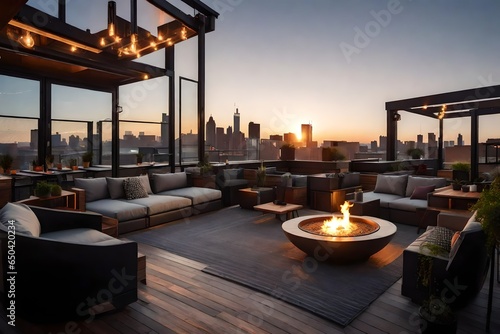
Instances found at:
x=146 y=77
x=133 y=45
x=424 y=107
x=183 y=33
x=27 y=40
x=111 y=29
x=160 y=37
x=103 y=42
x=73 y=48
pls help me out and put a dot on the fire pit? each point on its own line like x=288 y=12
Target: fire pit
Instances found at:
x=338 y=238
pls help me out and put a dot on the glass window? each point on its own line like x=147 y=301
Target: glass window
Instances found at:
x=19 y=97
x=188 y=126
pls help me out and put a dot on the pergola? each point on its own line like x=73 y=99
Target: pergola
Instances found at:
x=36 y=44
x=471 y=103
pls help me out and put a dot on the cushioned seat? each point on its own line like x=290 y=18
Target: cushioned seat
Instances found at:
x=157 y=203
x=84 y=236
x=121 y=210
x=196 y=194
x=385 y=199
x=407 y=204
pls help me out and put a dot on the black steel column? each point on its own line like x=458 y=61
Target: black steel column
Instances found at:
x=392 y=135
x=440 y=145
x=44 y=122
x=62 y=10
x=169 y=66
x=201 y=87
x=115 y=134
x=474 y=137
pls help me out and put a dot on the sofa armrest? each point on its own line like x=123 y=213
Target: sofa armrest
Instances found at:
x=80 y=198
x=56 y=220
x=453 y=221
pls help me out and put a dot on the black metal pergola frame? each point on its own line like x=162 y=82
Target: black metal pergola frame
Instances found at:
x=471 y=103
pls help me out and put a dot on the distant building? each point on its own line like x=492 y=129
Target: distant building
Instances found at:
x=382 y=143
x=210 y=133
x=290 y=138
x=164 y=129
x=34 y=139
x=236 y=121
x=276 y=137
x=307 y=134
x=253 y=130
x=221 y=137
x=420 y=142
x=373 y=146
x=460 y=140
x=432 y=146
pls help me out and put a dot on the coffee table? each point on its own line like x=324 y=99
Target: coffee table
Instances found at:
x=290 y=210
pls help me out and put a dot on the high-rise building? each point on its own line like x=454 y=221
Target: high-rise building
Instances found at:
x=276 y=137
x=420 y=142
x=34 y=138
x=236 y=121
x=210 y=133
x=290 y=138
x=432 y=146
x=373 y=146
x=221 y=138
x=164 y=130
x=307 y=133
x=382 y=143
x=460 y=140
x=253 y=130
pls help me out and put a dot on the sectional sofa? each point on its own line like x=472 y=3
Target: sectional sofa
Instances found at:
x=143 y=201
x=401 y=195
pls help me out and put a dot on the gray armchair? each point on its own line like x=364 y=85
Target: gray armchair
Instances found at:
x=69 y=269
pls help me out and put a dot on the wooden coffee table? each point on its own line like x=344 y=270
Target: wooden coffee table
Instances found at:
x=289 y=209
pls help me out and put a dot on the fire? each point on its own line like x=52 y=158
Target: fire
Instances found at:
x=336 y=224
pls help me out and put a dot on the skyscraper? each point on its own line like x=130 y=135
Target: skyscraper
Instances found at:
x=210 y=133
x=307 y=133
x=460 y=140
x=432 y=146
x=420 y=142
x=253 y=130
x=236 y=121
x=164 y=130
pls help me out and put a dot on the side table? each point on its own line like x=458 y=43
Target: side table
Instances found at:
x=110 y=226
x=366 y=208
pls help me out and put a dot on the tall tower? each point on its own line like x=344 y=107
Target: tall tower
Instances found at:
x=164 y=130
x=253 y=130
x=236 y=121
x=307 y=134
x=210 y=133
x=460 y=140
x=420 y=142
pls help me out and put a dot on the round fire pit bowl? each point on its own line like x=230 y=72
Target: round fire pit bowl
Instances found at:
x=339 y=249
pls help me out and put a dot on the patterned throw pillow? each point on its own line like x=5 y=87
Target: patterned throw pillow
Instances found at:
x=440 y=236
x=133 y=188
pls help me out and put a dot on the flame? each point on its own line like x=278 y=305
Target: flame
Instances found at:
x=338 y=223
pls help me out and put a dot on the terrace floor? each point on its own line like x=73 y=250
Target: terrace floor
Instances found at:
x=180 y=298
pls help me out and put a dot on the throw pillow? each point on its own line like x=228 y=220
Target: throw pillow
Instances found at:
x=95 y=189
x=391 y=184
x=441 y=237
x=454 y=239
x=133 y=188
x=421 y=192
x=21 y=217
x=145 y=183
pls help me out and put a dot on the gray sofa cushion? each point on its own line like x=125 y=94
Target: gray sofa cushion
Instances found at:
x=168 y=181
x=85 y=236
x=115 y=187
x=145 y=183
x=391 y=184
x=235 y=182
x=121 y=210
x=407 y=204
x=385 y=199
x=415 y=181
x=21 y=218
x=95 y=189
x=157 y=203
x=197 y=195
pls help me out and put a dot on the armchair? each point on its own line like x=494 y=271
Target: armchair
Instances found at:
x=65 y=267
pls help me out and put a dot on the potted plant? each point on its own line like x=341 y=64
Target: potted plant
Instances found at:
x=331 y=154
x=487 y=210
x=6 y=163
x=73 y=164
x=286 y=180
x=436 y=313
x=205 y=166
x=415 y=153
x=56 y=190
x=460 y=171
x=43 y=189
x=457 y=184
x=87 y=159
x=36 y=166
x=287 y=152
x=49 y=161
x=139 y=157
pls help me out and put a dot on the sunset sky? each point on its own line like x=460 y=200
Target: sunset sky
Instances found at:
x=329 y=63
x=334 y=64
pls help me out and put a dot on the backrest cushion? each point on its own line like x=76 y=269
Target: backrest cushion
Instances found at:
x=145 y=183
x=472 y=224
x=391 y=184
x=95 y=189
x=134 y=188
x=20 y=219
x=233 y=173
x=421 y=192
x=115 y=187
x=169 y=181
x=416 y=181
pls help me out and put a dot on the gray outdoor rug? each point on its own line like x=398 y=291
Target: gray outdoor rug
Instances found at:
x=250 y=248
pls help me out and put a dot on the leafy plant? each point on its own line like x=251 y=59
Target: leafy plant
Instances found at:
x=87 y=156
x=43 y=189
x=139 y=157
x=49 y=159
x=488 y=211
x=461 y=166
x=6 y=161
x=205 y=166
x=415 y=153
x=56 y=190
x=73 y=162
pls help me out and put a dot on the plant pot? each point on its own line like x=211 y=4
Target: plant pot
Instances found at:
x=86 y=164
x=456 y=186
x=436 y=324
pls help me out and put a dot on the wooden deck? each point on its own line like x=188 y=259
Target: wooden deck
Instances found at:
x=180 y=298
